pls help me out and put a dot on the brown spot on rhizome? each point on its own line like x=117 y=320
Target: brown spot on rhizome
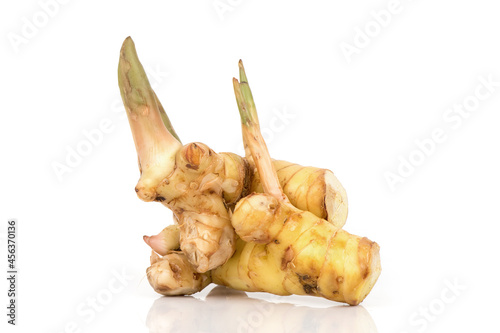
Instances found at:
x=192 y=167
x=287 y=257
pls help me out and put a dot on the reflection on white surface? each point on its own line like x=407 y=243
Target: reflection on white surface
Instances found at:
x=227 y=310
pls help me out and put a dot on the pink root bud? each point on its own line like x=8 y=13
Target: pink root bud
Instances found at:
x=156 y=243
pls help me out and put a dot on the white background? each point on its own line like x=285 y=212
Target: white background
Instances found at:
x=357 y=115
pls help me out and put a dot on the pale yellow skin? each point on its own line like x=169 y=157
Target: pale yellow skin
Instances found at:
x=312 y=189
x=284 y=250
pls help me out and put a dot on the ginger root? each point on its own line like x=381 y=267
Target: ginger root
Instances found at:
x=252 y=223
